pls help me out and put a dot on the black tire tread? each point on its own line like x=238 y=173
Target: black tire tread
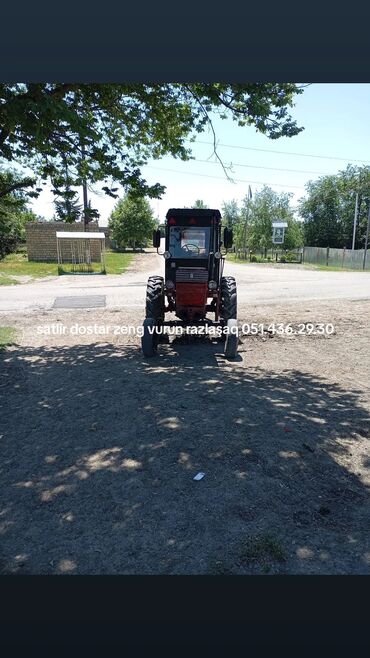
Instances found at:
x=154 y=307
x=229 y=302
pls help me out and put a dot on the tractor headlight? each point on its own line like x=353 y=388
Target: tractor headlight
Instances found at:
x=167 y=255
x=212 y=285
x=170 y=284
x=218 y=254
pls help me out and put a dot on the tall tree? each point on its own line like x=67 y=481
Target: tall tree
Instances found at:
x=199 y=203
x=267 y=206
x=329 y=206
x=13 y=210
x=231 y=214
x=107 y=132
x=67 y=207
x=132 y=221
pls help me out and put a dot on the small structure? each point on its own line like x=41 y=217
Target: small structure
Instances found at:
x=278 y=232
x=75 y=248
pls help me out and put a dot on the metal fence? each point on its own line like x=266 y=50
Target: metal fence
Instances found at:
x=346 y=258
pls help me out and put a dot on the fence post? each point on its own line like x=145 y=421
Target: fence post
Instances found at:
x=327 y=256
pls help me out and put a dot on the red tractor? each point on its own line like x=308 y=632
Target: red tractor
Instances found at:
x=193 y=284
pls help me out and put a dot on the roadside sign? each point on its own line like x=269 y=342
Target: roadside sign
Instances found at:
x=278 y=232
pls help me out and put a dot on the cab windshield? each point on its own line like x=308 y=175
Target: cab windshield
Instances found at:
x=189 y=242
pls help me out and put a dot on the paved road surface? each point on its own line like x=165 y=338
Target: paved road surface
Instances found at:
x=256 y=284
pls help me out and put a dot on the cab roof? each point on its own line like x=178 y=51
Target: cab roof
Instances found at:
x=193 y=212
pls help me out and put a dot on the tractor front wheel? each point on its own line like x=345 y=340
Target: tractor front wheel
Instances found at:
x=155 y=298
x=228 y=299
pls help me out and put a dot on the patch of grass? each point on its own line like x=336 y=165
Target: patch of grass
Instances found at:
x=255 y=260
x=261 y=549
x=7 y=281
x=116 y=262
x=7 y=337
x=333 y=268
x=17 y=265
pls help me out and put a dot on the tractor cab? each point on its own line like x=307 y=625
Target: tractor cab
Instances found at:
x=193 y=285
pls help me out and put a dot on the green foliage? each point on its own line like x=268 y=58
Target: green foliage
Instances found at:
x=267 y=206
x=254 y=258
x=329 y=207
x=291 y=258
x=132 y=222
x=231 y=214
x=14 y=213
x=199 y=204
x=67 y=208
x=104 y=133
x=294 y=234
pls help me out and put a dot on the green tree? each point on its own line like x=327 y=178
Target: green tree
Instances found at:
x=132 y=221
x=199 y=203
x=231 y=213
x=67 y=208
x=105 y=133
x=14 y=213
x=267 y=206
x=294 y=234
x=328 y=209
x=12 y=182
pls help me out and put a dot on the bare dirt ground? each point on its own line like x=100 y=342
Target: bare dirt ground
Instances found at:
x=99 y=447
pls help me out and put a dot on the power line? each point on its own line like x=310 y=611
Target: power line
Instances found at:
x=236 y=180
x=305 y=155
x=238 y=164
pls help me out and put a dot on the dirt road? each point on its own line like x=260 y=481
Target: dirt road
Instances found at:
x=256 y=284
x=99 y=446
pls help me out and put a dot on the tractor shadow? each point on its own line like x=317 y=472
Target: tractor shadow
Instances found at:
x=99 y=448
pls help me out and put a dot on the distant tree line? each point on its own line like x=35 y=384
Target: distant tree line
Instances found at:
x=329 y=207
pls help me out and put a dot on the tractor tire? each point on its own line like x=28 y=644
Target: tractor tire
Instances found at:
x=155 y=298
x=228 y=299
x=232 y=339
x=148 y=339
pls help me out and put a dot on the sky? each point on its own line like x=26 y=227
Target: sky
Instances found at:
x=336 y=132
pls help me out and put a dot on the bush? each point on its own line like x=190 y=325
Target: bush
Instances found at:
x=291 y=257
x=282 y=259
x=254 y=259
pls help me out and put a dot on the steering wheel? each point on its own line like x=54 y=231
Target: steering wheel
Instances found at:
x=190 y=244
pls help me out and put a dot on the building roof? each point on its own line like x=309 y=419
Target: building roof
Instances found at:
x=80 y=235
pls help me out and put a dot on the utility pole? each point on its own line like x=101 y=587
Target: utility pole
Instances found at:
x=84 y=189
x=367 y=235
x=246 y=218
x=354 y=226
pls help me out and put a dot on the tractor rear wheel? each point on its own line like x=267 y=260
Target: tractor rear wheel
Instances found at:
x=232 y=339
x=228 y=298
x=155 y=298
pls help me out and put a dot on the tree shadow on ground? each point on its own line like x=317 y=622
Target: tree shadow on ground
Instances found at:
x=99 y=448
